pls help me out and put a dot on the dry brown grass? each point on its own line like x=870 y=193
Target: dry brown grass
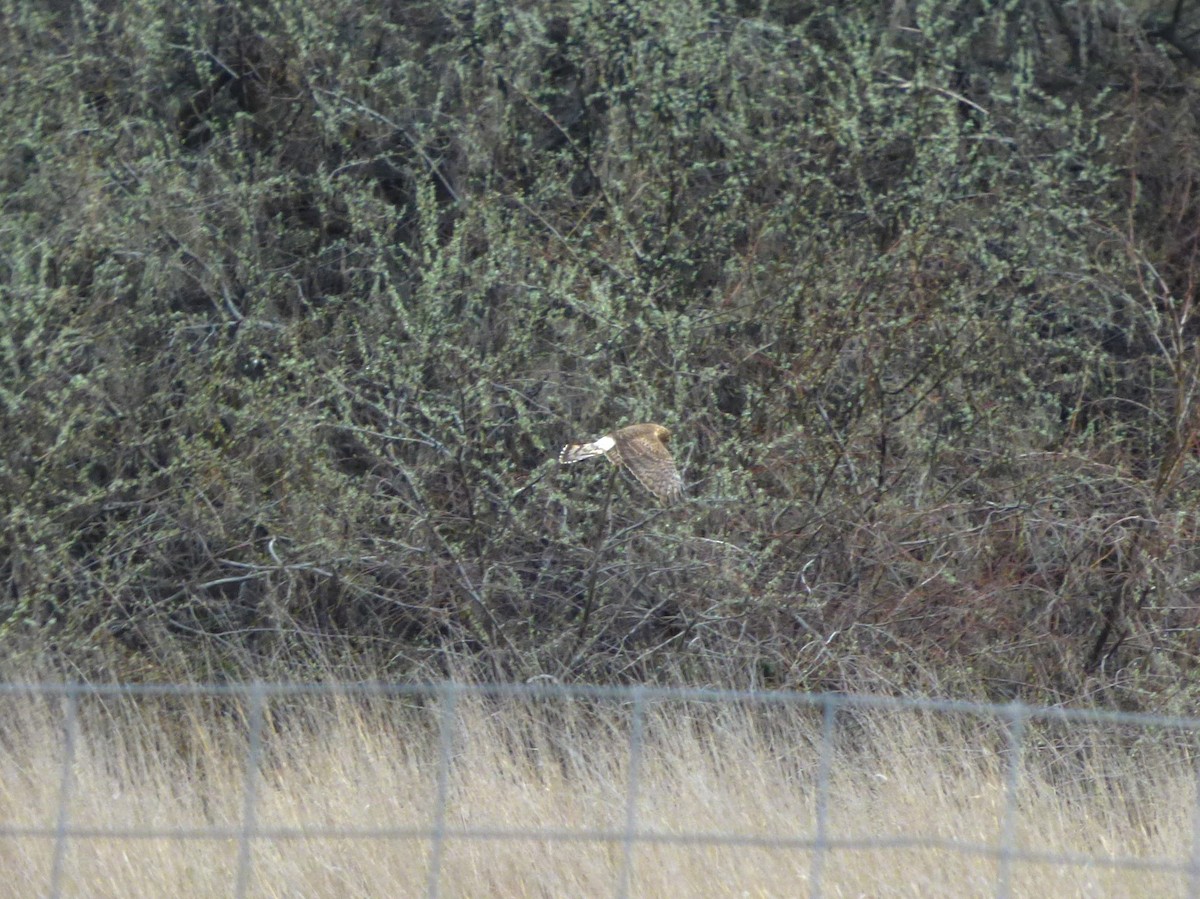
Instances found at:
x=355 y=763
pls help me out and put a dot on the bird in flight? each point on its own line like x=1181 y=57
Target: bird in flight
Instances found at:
x=640 y=448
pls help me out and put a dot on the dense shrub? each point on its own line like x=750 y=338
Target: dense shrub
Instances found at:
x=299 y=303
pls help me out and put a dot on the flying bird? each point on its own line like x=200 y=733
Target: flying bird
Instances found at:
x=640 y=448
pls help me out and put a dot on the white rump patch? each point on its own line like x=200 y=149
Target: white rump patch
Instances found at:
x=605 y=443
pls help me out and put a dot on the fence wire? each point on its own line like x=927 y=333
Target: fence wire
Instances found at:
x=1015 y=718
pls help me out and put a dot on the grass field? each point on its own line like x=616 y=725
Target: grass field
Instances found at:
x=334 y=762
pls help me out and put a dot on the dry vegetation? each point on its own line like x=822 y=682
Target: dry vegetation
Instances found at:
x=298 y=302
x=556 y=765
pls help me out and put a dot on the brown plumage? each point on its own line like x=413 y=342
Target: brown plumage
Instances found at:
x=640 y=448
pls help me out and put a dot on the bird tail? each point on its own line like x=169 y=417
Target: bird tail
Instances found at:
x=577 y=452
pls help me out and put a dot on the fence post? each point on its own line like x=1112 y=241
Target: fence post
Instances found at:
x=636 y=726
x=816 y=871
x=256 y=700
x=66 y=784
x=448 y=694
x=1016 y=716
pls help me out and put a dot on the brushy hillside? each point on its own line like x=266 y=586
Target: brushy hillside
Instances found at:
x=300 y=300
x=336 y=764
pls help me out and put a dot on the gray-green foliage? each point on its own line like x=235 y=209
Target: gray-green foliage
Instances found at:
x=299 y=302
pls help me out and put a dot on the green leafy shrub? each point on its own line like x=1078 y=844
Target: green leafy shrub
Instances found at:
x=299 y=304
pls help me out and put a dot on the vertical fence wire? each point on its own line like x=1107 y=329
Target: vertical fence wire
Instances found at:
x=1193 y=872
x=447 y=695
x=255 y=700
x=66 y=784
x=816 y=871
x=1015 y=719
x=636 y=740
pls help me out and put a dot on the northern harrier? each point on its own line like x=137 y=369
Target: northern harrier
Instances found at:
x=640 y=448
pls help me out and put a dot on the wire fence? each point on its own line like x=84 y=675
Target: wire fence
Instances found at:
x=1005 y=852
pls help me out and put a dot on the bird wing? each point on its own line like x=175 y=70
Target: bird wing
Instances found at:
x=650 y=462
